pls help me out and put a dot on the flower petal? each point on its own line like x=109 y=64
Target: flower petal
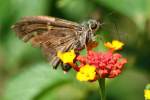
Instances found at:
x=115 y=45
x=86 y=73
x=66 y=57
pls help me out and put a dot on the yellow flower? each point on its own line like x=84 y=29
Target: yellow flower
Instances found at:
x=86 y=73
x=116 y=45
x=147 y=94
x=66 y=57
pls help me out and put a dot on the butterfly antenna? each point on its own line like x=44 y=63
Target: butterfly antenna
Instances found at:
x=117 y=30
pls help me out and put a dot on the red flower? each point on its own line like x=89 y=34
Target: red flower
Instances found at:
x=108 y=64
x=95 y=65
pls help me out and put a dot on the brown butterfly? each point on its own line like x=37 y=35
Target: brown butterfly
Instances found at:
x=54 y=34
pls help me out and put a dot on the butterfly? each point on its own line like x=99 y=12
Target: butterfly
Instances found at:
x=55 y=34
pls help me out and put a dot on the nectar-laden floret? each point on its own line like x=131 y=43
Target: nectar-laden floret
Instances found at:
x=66 y=57
x=86 y=73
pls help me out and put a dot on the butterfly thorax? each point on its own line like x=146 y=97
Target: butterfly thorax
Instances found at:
x=88 y=32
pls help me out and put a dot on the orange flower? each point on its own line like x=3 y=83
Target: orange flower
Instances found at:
x=115 y=45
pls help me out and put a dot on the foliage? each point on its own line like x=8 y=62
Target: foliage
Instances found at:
x=25 y=74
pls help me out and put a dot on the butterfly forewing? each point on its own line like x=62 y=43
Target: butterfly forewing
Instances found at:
x=49 y=33
x=40 y=24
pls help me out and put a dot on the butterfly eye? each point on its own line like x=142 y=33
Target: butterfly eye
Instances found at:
x=93 y=26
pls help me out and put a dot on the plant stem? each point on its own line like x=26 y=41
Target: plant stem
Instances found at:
x=102 y=88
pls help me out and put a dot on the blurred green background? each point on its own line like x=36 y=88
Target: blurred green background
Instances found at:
x=25 y=74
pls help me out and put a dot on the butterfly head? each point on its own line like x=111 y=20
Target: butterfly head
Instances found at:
x=90 y=27
x=93 y=25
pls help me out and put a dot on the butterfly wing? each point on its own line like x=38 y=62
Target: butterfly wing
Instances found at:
x=55 y=40
x=49 y=33
x=39 y=25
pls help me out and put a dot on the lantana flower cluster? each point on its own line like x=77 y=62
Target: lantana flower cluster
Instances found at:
x=107 y=64
x=95 y=65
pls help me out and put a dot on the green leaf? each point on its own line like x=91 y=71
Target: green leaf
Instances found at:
x=76 y=9
x=31 y=82
x=12 y=10
x=28 y=7
x=41 y=82
x=128 y=86
x=19 y=53
x=63 y=92
x=137 y=10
